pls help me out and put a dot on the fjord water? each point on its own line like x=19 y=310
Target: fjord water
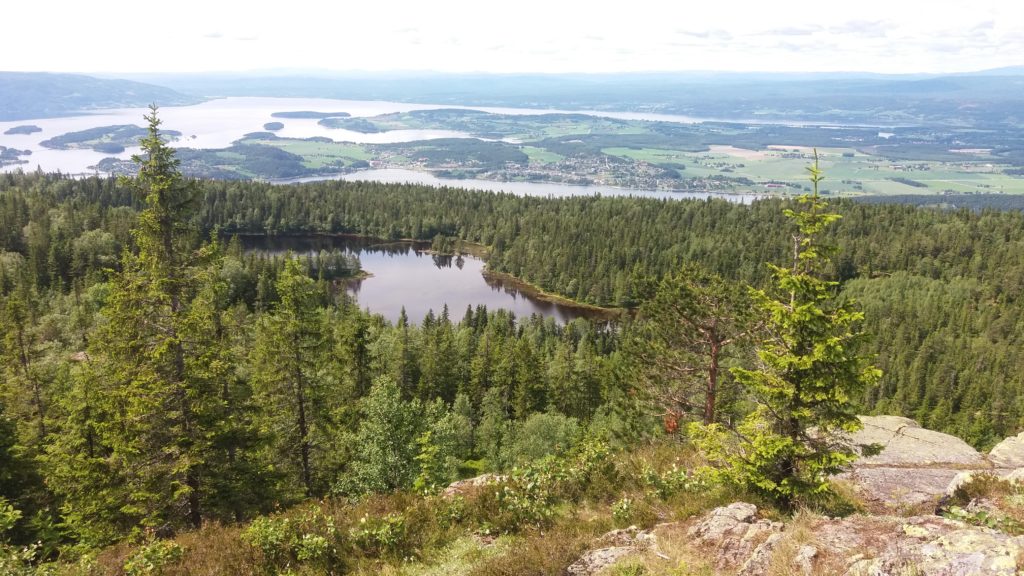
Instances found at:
x=402 y=276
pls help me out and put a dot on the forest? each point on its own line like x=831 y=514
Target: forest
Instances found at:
x=157 y=378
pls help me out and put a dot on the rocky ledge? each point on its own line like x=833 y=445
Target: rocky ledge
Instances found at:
x=906 y=467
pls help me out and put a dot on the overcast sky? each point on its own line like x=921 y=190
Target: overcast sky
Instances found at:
x=514 y=36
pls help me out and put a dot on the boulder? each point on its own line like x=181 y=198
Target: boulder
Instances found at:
x=961 y=478
x=733 y=533
x=461 y=487
x=903 y=465
x=906 y=488
x=613 y=546
x=1015 y=476
x=594 y=561
x=1009 y=453
x=898 y=441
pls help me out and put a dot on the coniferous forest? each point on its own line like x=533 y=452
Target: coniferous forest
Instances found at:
x=157 y=378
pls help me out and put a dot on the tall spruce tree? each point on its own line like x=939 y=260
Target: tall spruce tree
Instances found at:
x=155 y=377
x=292 y=378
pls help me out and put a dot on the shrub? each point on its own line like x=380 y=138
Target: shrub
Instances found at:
x=152 y=558
x=380 y=536
x=544 y=434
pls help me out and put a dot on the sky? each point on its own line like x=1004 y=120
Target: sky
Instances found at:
x=544 y=36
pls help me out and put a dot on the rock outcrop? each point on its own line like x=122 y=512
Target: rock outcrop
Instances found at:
x=903 y=465
x=855 y=546
x=898 y=441
x=612 y=547
x=1009 y=453
x=462 y=487
x=734 y=534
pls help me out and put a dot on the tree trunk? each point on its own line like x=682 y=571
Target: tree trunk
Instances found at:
x=300 y=400
x=711 y=393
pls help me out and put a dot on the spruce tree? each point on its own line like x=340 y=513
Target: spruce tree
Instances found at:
x=807 y=375
x=292 y=379
x=152 y=392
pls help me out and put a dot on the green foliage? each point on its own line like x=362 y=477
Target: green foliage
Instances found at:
x=292 y=382
x=9 y=515
x=283 y=542
x=383 y=536
x=153 y=558
x=543 y=434
x=808 y=375
x=685 y=336
x=386 y=445
x=273 y=537
x=672 y=481
x=495 y=431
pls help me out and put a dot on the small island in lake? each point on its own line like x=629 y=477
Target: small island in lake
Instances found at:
x=354 y=124
x=23 y=129
x=309 y=115
x=106 y=139
x=272 y=126
x=10 y=156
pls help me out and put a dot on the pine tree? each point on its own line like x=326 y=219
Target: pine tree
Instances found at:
x=686 y=332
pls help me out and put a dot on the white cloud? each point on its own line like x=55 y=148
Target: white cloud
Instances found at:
x=528 y=35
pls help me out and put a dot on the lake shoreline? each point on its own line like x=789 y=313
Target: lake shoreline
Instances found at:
x=535 y=291
x=506 y=281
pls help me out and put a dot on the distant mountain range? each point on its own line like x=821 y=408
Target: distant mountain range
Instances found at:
x=986 y=99
x=25 y=95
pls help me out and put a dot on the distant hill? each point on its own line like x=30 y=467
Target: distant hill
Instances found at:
x=985 y=100
x=25 y=95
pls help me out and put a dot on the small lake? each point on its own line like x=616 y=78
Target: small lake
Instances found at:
x=404 y=276
x=544 y=189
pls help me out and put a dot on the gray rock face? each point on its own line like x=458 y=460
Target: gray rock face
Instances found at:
x=1009 y=453
x=904 y=442
x=858 y=546
x=903 y=465
x=888 y=488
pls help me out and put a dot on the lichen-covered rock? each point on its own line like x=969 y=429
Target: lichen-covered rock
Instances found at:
x=593 y=561
x=460 y=487
x=613 y=546
x=1009 y=453
x=859 y=545
x=734 y=532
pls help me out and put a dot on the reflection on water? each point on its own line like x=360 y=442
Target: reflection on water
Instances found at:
x=402 y=275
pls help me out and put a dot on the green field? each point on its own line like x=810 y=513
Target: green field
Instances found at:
x=715 y=156
x=318 y=154
x=541 y=155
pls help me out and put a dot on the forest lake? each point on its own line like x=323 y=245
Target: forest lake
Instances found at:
x=400 y=275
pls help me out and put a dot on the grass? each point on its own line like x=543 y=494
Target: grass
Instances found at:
x=318 y=154
x=541 y=155
x=652 y=155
